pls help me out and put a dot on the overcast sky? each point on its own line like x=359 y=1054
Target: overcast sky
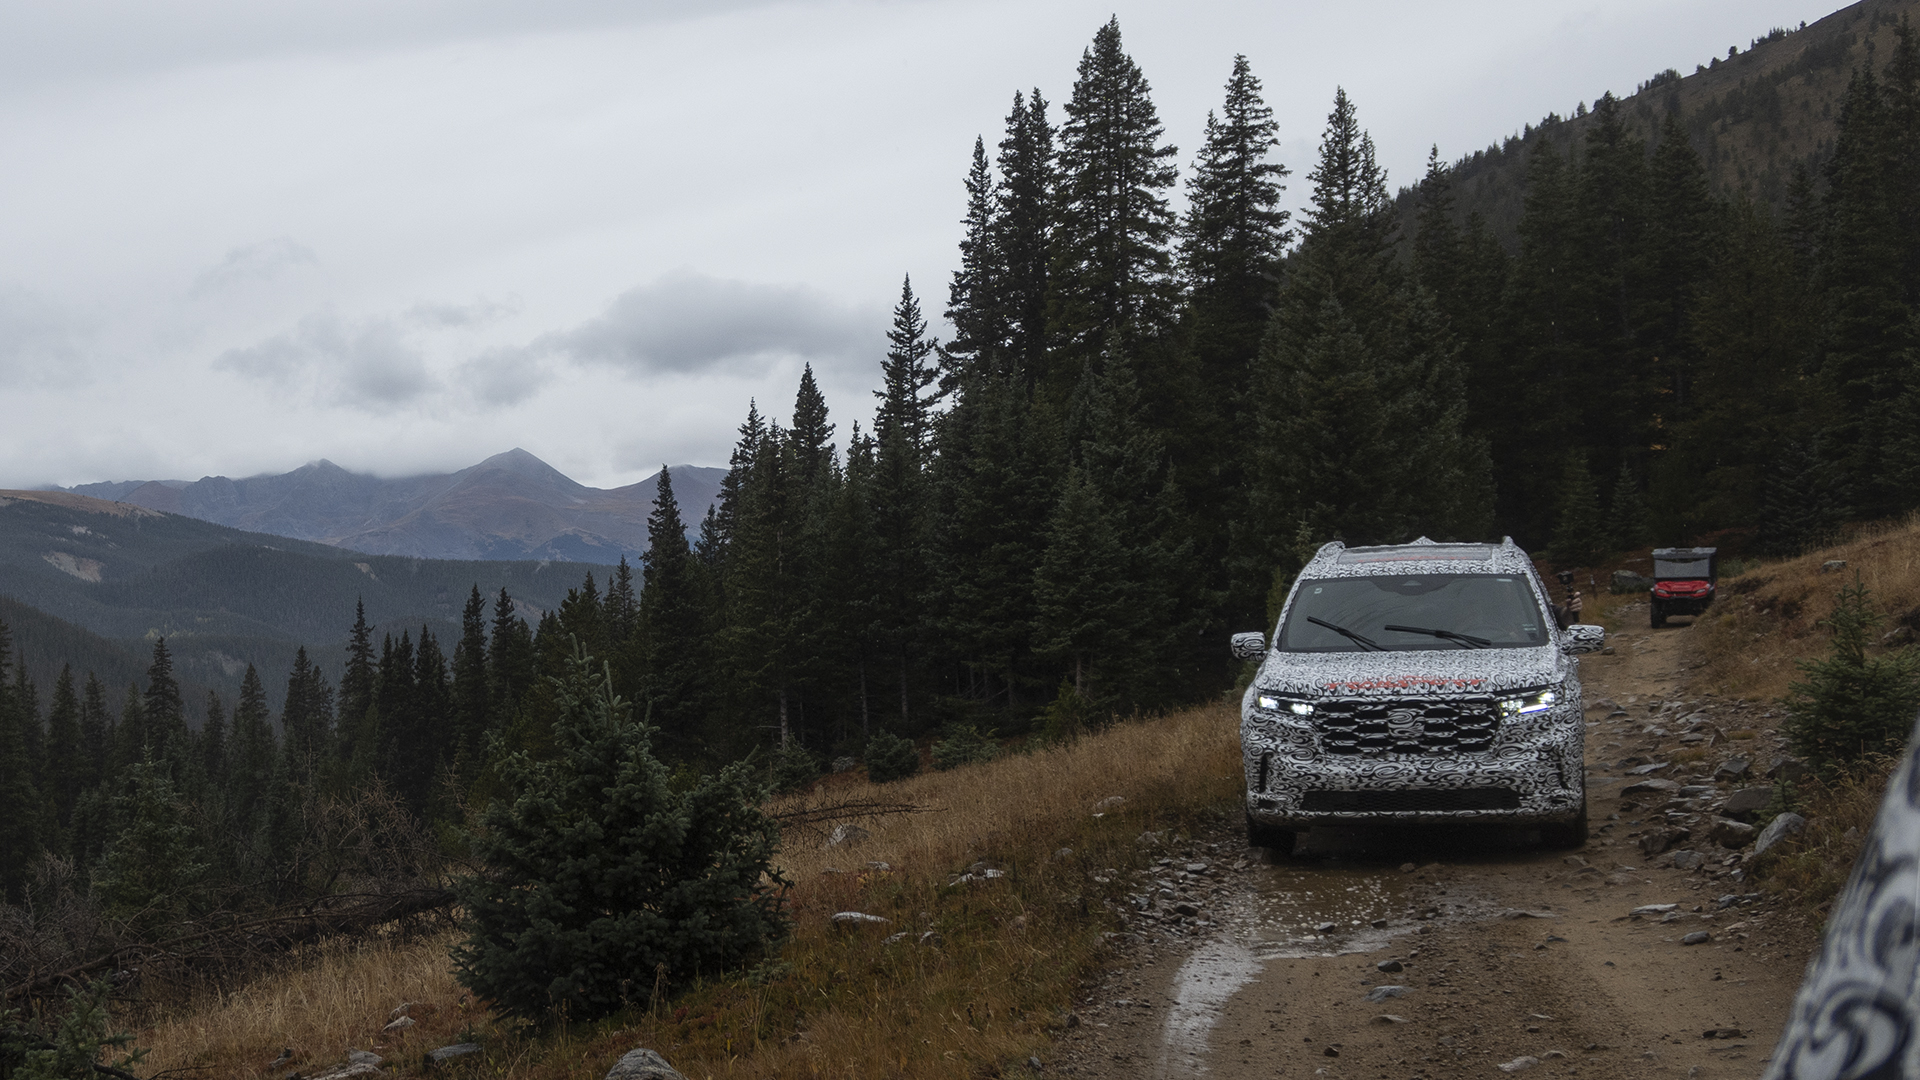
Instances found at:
x=407 y=234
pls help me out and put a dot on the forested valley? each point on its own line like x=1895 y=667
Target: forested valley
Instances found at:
x=1142 y=423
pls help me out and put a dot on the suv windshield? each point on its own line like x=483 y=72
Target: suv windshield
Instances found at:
x=1401 y=613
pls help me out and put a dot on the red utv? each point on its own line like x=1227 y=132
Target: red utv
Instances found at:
x=1682 y=581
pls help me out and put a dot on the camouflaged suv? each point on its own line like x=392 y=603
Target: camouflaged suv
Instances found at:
x=1417 y=683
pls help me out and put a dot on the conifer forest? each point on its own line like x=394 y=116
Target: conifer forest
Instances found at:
x=1141 y=424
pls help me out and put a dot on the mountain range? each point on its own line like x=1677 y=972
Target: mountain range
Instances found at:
x=94 y=583
x=510 y=506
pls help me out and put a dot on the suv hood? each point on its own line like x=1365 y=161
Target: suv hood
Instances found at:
x=1424 y=673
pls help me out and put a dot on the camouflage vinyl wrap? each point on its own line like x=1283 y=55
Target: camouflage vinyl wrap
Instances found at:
x=1416 y=735
x=1856 y=1012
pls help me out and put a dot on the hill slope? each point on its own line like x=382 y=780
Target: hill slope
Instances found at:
x=1753 y=117
x=510 y=506
x=224 y=598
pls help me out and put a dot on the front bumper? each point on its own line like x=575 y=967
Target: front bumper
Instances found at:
x=1533 y=773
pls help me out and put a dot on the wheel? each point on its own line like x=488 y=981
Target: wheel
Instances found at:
x=1279 y=841
x=1659 y=615
x=1566 y=835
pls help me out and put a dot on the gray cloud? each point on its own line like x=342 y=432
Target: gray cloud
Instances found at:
x=263 y=261
x=687 y=322
x=40 y=344
x=449 y=316
x=367 y=365
x=506 y=376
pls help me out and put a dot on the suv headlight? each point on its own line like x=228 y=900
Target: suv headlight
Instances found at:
x=1279 y=704
x=1527 y=702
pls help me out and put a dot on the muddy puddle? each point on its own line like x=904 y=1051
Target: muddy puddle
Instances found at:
x=1327 y=906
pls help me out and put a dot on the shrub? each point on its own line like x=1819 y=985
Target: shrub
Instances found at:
x=74 y=1046
x=890 y=758
x=964 y=745
x=598 y=874
x=1851 y=705
x=791 y=768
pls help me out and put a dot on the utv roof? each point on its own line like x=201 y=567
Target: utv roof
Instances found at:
x=1338 y=560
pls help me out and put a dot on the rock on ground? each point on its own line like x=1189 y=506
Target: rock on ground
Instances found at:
x=643 y=1064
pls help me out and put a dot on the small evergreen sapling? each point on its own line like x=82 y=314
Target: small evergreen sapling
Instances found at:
x=1850 y=704
x=72 y=1050
x=890 y=758
x=599 y=875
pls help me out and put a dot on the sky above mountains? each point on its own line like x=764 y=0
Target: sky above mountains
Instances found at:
x=406 y=234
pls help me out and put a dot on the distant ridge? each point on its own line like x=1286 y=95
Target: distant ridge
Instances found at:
x=510 y=506
x=1753 y=117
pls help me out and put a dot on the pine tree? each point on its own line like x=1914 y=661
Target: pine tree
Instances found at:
x=972 y=303
x=471 y=703
x=67 y=767
x=20 y=798
x=213 y=743
x=96 y=733
x=602 y=879
x=810 y=441
x=306 y=719
x=1580 y=533
x=254 y=752
x=166 y=714
x=674 y=634
x=897 y=502
x=1112 y=273
x=1022 y=235
x=151 y=873
x=1234 y=235
x=1083 y=610
x=510 y=667
x=1359 y=385
x=1627 y=516
x=357 y=684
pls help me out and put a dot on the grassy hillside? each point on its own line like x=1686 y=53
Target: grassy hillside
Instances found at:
x=1011 y=948
x=225 y=598
x=1753 y=116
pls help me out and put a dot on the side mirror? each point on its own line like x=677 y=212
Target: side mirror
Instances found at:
x=1249 y=646
x=1582 y=638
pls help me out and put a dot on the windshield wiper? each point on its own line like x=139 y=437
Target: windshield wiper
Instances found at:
x=1348 y=634
x=1465 y=641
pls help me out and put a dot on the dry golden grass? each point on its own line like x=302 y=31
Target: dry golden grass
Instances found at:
x=331 y=999
x=1767 y=620
x=837 y=1003
x=1840 y=812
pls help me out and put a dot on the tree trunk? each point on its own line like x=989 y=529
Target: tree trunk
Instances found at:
x=866 y=729
x=784 y=734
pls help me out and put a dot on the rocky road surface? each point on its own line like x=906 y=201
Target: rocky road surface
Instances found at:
x=1375 y=953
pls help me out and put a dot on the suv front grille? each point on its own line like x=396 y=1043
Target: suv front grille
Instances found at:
x=1406 y=727
x=1409 y=800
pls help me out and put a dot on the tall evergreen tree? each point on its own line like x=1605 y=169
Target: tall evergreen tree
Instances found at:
x=357 y=684
x=1234 y=235
x=166 y=714
x=306 y=719
x=20 y=799
x=67 y=768
x=674 y=634
x=1112 y=272
x=1024 y=212
x=972 y=303
x=1359 y=385
x=471 y=705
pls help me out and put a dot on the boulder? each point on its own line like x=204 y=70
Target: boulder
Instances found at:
x=846 y=836
x=1787 y=768
x=1833 y=566
x=643 y=1064
x=365 y=1057
x=1746 y=802
x=1731 y=834
x=448 y=1053
x=1109 y=804
x=844 y=764
x=346 y=1072
x=1778 y=829
x=1734 y=768
x=1688 y=860
x=1655 y=841
x=857 y=918
x=1655 y=786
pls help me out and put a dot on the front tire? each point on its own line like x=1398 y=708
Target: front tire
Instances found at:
x=1278 y=841
x=1659 y=615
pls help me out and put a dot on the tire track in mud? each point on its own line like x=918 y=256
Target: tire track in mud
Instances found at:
x=1501 y=951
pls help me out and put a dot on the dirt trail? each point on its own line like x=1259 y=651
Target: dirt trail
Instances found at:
x=1504 y=951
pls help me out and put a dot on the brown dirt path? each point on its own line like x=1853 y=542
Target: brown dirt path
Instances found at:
x=1506 y=951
